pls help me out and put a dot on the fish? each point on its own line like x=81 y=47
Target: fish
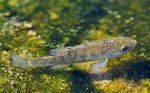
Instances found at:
x=98 y=51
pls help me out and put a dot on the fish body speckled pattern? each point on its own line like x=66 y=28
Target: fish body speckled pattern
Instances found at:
x=91 y=51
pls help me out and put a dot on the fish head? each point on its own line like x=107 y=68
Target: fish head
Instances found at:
x=120 y=46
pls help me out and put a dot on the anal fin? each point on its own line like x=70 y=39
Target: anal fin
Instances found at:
x=61 y=66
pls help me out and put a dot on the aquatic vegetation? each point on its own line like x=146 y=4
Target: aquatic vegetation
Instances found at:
x=32 y=28
x=122 y=86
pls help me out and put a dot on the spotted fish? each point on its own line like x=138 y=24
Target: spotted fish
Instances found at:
x=92 y=51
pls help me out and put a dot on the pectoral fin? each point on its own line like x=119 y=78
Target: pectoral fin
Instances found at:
x=98 y=67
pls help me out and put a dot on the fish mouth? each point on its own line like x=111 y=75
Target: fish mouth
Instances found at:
x=134 y=43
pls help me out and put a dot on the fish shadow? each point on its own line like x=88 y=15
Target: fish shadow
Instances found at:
x=133 y=70
x=80 y=81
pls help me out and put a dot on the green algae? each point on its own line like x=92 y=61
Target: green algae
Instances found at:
x=32 y=28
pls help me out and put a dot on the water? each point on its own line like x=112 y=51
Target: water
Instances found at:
x=32 y=28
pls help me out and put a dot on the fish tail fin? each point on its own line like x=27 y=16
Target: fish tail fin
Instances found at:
x=17 y=61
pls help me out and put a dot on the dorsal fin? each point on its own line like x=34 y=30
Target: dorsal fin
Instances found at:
x=58 y=51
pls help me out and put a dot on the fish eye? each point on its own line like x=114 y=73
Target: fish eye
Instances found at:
x=125 y=48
